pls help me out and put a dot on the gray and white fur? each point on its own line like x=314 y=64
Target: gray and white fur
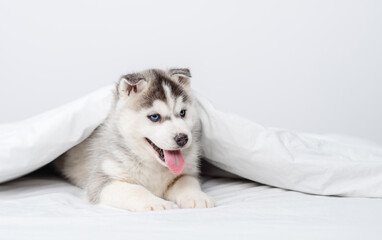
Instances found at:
x=122 y=164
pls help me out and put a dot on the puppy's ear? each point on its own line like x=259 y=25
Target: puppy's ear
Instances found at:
x=181 y=75
x=131 y=84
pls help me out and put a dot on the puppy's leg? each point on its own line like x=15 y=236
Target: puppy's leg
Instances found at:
x=186 y=192
x=131 y=197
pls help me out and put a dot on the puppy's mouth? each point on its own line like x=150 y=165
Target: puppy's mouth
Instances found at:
x=157 y=149
x=172 y=158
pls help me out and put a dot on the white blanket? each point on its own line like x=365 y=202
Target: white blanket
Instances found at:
x=325 y=165
x=37 y=207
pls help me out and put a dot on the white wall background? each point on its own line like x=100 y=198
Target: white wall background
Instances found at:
x=304 y=65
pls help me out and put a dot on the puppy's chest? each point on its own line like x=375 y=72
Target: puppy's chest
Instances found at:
x=155 y=180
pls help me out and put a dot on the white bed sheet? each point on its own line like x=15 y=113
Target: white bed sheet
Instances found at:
x=46 y=207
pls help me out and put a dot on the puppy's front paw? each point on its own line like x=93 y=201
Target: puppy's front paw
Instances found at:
x=132 y=197
x=154 y=204
x=195 y=200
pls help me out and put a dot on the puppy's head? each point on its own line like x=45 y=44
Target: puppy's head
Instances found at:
x=155 y=114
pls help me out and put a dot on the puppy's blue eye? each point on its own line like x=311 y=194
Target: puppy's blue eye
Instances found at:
x=154 y=117
x=182 y=113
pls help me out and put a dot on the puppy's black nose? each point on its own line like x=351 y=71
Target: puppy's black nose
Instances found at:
x=181 y=139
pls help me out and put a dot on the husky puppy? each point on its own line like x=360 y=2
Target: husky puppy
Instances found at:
x=145 y=155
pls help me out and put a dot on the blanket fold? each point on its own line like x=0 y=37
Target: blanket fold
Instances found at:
x=310 y=163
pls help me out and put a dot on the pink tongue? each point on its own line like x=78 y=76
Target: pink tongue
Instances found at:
x=174 y=161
